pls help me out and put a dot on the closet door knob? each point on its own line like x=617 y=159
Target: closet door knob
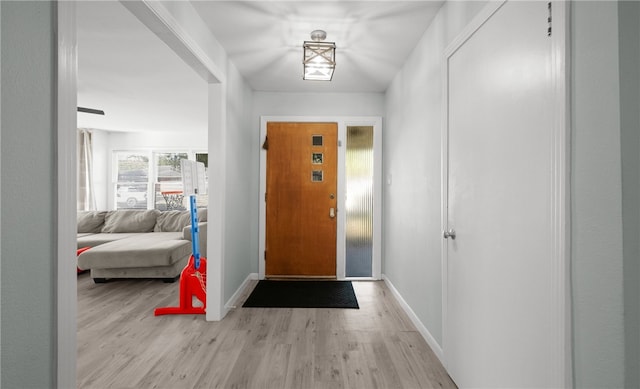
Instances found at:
x=449 y=234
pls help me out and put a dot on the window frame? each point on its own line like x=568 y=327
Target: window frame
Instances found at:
x=152 y=174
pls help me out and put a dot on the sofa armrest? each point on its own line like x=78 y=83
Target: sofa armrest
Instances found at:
x=202 y=237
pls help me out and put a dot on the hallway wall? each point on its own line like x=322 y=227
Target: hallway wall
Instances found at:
x=240 y=245
x=596 y=194
x=629 y=26
x=29 y=192
x=315 y=104
x=412 y=169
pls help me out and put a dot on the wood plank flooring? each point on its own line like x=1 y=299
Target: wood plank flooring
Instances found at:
x=122 y=345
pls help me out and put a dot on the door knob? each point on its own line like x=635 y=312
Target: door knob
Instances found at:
x=449 y=234
x=332 y=212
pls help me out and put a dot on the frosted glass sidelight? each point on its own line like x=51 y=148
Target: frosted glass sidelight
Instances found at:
x=359 y=201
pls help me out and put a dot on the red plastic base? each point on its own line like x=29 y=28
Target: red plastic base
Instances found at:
x=192 y=283
x=78 y=252
x=179 y=311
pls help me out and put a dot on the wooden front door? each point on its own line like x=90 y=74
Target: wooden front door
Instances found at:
x=301 y=199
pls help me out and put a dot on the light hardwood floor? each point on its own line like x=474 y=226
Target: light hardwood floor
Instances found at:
x=122 y=345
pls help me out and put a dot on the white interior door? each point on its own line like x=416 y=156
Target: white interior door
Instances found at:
x=501 y=315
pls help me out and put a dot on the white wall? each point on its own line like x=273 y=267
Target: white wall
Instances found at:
x=158 y=140
x=315 y=104
x=629 y=25
x=412 y=163
x=0 y=201
x=29 y=190
x=597 y=257
x=241 y=236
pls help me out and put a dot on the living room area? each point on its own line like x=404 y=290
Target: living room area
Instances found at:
x=141 y=111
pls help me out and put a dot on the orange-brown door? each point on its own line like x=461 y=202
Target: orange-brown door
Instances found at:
x=301 y=199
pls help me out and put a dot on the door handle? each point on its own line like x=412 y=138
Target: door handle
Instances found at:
x=450 y=234
x=332 y=212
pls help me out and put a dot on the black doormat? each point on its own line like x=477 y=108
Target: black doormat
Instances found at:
x=302 y=294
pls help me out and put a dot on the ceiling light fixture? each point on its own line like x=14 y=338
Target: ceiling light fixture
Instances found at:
x=319 y=58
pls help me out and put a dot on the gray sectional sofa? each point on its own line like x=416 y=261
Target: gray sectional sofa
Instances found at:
x=137 y=244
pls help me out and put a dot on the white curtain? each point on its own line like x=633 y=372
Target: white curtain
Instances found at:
x=86 y=195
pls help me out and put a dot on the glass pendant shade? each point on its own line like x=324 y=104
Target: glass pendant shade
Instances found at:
x=319 y=60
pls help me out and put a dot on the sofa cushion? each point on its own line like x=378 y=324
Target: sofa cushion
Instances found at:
x=93 y=240
x=172 y=221
x=143 y=250
x=202 y=215
x=90 y=221
x=202 y=237
x=175 y=221
x=130 y=221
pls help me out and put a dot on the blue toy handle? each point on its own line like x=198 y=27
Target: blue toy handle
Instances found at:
x=195 y=229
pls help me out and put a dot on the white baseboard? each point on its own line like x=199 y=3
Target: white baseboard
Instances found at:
x=431 y=341
x=231 y=303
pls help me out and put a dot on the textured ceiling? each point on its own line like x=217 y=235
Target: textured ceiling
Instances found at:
x=125 y=70
x=264 y=39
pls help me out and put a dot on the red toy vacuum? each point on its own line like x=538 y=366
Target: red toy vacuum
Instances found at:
x=193 y=279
